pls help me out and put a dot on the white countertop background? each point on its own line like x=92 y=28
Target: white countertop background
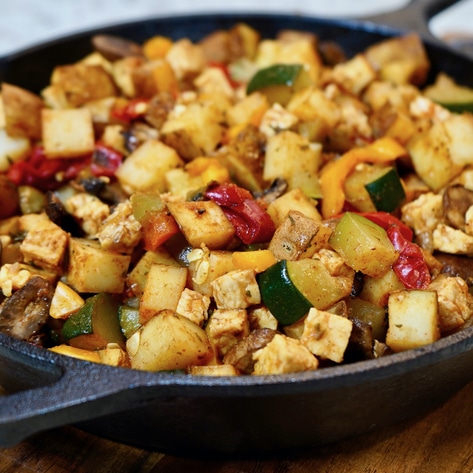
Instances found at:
x=25 y=22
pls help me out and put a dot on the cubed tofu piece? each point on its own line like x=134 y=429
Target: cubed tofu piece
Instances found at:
x=88 y=210
x=93 y=269
x=236 y=290
x=202 y=222
x=451 y=240
x=146 y=167
x=194 y=306
x=261 y=317
x=162 y=290
x=205 y=266
x=45 y=245
x=226 y=327
x=455 y=301
x=22 y=110
x=67 y=133
x=298 y=237
x=275 y=119
x=413 y=319
x=120 y=231
x=284 y=355
x=114 y=355
x=294 y=199
x=326 y=335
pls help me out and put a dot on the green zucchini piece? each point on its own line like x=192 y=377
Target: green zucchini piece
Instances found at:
x=279 y=82
x=281 y=296
x=454 y=97
x=363 y=245
x=95 y=324
x=372 y=314
x=386 y=191
x=129 y=320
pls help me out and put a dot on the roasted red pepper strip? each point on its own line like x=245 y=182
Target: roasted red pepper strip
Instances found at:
x=252 y=223
x=44 y=173
x=385 y=220
x=410 y=267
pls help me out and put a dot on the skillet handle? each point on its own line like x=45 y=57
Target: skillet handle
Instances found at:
x=414 y=16
x=74 y=391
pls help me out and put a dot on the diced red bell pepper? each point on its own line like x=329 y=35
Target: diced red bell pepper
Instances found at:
x=251 y=221
x=105 y=160
x=158 y=227
x=410 y=267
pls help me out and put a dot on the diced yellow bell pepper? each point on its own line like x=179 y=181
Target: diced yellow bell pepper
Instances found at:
x=80 y=353
x=209 y=169
x=156 y=47
x=259 y=260
x=333 y=175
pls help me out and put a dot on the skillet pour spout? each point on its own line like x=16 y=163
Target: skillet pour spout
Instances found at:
x=230 y=416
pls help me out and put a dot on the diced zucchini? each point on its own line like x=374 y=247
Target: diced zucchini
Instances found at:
x=372 y=314
x=363 y=245
x=446 y=92
x=386 y=191
x=129 y=320
x=279 y=82
x=95 y=324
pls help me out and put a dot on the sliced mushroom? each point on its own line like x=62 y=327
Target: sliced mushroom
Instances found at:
x=456 y=201
x=23 y=314
x=113 y=47
x=456 y=265
x=57 y=213
x=241 y=354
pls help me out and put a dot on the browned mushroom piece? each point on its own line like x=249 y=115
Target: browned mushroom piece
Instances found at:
x=8 y=197
x=456 y=201
x=113 y=47
x=23 y=314
x=456 y=265
x=241 y=354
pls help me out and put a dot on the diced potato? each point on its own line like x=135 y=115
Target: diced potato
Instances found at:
x=92 y=269
x=153 y=77
x=194 y=306
x=400 y=60
x=22 y=111
x=12 y=149
x=136 y=279
x=122 y=72
x=377 y=289
x=65 y=302
x=180 y=182
x=326 y=335
x=162 y=290
x=294 y=199
x=354 y=75
x=186 y=58
x=248 y=110
x=82 y=82
x=67 y=133
x=146 y=167
x=168 y=341
x=194 y=131
x=413 y=319
x=299 y=51
x=291 y=157
x=202 y=223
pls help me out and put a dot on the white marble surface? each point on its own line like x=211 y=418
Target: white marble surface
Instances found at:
x=25 y=22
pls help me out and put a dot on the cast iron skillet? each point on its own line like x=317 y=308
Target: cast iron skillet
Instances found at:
x=229 y=416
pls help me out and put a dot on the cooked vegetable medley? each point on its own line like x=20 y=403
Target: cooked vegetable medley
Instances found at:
x=237 y=205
